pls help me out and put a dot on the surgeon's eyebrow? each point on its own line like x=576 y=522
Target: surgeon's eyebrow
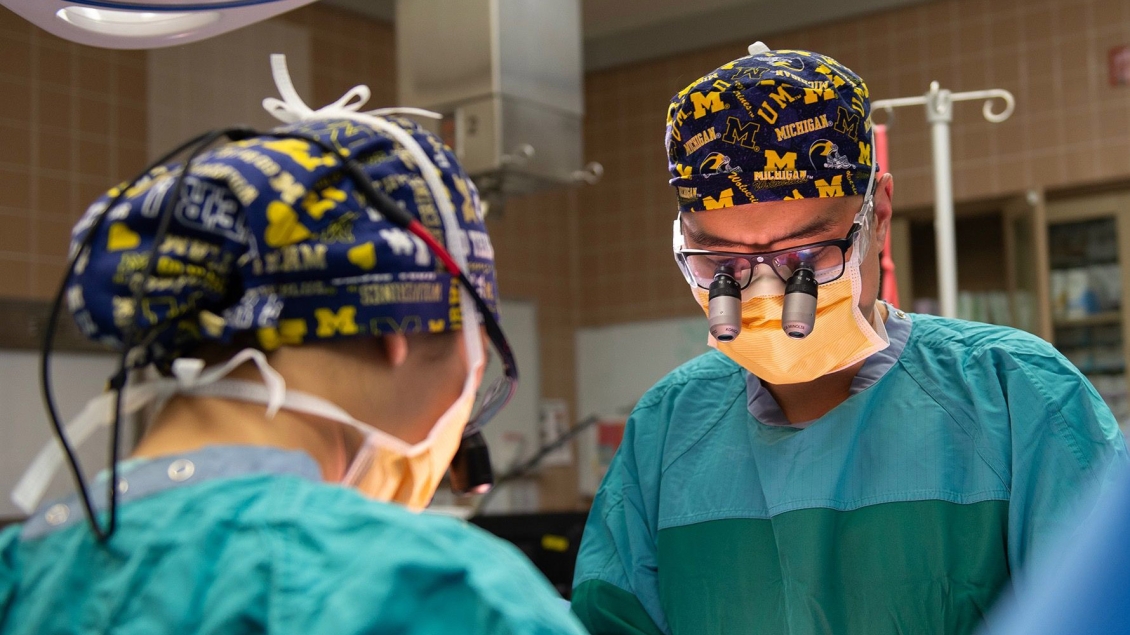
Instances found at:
x=817 y=227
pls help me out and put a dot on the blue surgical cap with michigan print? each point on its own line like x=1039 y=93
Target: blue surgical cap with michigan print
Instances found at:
x=771 y=126
x=270 y=239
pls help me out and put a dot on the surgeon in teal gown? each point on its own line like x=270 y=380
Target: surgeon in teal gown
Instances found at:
x=256 y=542
x=890 y=478
x=957 y=458
x=237 y=518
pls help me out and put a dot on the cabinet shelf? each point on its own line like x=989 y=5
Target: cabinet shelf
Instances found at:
x=1103 y=370
x=1099 y=319
x=1065 y=264
x=1090 y=235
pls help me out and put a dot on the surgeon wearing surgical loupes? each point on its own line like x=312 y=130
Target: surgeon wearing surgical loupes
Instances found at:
x=836 y=465
x=322 y=319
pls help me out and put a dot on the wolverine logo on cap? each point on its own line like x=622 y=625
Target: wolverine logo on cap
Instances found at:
x=830 y=153
x=717 y=163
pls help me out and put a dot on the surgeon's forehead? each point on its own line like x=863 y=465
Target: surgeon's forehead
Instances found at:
x=771 y=225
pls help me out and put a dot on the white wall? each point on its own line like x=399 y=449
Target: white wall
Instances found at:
x=23 y=419
x=617 y=364
x=518 y=421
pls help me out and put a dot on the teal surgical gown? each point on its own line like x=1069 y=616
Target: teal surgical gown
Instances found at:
x=962 y=450
x=250 y=540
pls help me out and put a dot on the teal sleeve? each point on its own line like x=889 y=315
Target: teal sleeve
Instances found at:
x=607 y=609
x=615 y=586
x=1065 y=445
x=9 y=577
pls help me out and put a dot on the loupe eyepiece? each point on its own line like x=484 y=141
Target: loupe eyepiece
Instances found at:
x=798 y=317
x=725 y=306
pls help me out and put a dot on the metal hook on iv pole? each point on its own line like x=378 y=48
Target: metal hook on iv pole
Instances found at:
x=888 y=105
x=887 y=108
x=939 y=113
x=988 y=96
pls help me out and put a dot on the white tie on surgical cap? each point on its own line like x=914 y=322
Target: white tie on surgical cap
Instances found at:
x=291 y=108
x=757 y=48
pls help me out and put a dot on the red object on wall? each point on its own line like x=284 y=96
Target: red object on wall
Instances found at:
x=1120 y=65
x=609 y=434
x=890 y=290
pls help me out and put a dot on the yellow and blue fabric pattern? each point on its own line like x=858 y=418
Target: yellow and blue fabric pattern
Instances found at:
x=771 y=126
x=236 y=539
x=271 y=238
x=905 y=509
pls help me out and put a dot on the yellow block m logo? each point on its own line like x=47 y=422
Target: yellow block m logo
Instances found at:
x=829 y=190
x=813 y=95
x=774 y=162
x=741 y=134
x=330 y=323
x=725 y=199
x=864 y=153
x=847 y=123
x=704 y=102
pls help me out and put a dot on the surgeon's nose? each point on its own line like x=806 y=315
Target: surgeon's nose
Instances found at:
x=764 y=282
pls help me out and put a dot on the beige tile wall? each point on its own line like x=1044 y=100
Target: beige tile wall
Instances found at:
x=535 y=240
x=72 y=122
x=1070 y=127
x=347 y=49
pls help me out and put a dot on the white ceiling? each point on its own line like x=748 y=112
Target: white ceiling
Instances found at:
x=624 y=31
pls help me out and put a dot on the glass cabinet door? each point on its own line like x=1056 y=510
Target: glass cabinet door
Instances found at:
x=1086 y=260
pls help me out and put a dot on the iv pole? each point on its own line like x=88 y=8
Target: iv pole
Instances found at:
x=939 y=113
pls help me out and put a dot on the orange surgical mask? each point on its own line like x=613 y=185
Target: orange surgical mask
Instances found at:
x=389 y=469
x=842 y=336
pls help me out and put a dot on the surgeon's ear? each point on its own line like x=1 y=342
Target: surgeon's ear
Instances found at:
x=396 y=349
x=884 y=191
